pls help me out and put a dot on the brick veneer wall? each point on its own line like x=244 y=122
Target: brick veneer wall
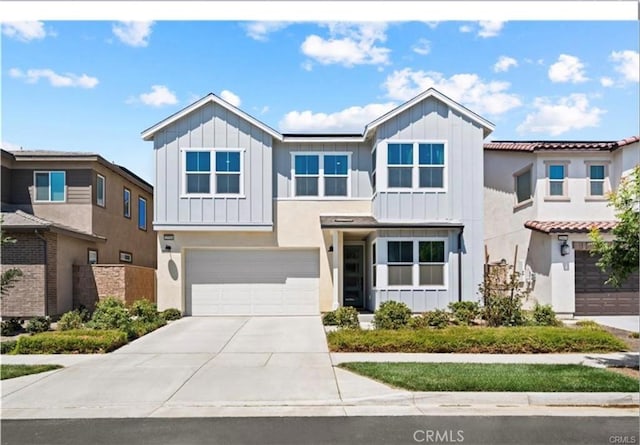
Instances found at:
x=27 y=296
x=123 y=281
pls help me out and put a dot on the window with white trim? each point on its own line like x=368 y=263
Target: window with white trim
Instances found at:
x=126 y=203
x=431 y=165
x=597 y=173
x=431 y=263
x=400 y=165
x=400 y=263
x=228 y=172
x=100 y=191
x=374 y=162
x=50 y=186
x=198 y=172
x=557 y=174
x=321 y=174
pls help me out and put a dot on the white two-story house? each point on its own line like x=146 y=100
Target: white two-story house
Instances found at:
x=543 y=197
x=252 y=221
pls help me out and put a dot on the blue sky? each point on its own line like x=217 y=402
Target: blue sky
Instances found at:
x=95 y=85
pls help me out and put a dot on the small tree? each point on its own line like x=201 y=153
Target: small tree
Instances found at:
x=503 y=294
x=620 y=258
x=9 y=276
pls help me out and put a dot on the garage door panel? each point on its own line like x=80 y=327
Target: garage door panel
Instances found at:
x=252 y=282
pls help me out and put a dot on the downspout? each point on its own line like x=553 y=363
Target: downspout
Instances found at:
x=46 y=267
x=460 y=263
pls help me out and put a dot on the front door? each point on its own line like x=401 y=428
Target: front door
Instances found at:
x=353 y=280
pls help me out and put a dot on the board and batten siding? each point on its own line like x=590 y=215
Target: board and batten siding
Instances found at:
x=213 y=127
x=360 y=167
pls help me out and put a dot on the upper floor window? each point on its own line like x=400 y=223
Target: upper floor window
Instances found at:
x=198 y=172
x=431 y=164
x=557 y=179
x=400 y=163
x=50 y=186
x=100 y=191
x=416 y=165
x=596 y=180
x=126 y=203
x=228 y=172
x=523 y=185
x=142 y=213
x=321 y=174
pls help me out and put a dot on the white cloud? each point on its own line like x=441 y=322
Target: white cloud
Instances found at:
x=466 y=28
x=568 y=113
x=422 y=47
x=307 y=65
x=567 y=69
x=133 y=33
x=261 y=30
x=230 y=97
x=349 y=45
x=158 y=96
x=352 y=119
x=468 y=89
x=627 y=64
x=490 y=28
x=432 y=24
x=55 y=79
x=24 y=31
x=504 y=63
x=606 y=82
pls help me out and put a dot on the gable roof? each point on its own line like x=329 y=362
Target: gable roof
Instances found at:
x=532 y=146
x=148 y=134
x=432 y=92
x=487 y=126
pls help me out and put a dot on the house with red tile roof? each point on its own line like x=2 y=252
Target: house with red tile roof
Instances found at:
x=542 y=198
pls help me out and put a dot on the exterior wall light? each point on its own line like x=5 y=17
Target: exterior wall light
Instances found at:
x=564 y=244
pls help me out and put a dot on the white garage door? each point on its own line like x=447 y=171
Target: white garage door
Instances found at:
x=252 y=282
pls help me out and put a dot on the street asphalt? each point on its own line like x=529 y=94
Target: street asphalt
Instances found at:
x=267 y=366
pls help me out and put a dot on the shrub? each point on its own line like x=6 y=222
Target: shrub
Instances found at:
x=7 y=347
x=543 y=315
x=70 y=320
x=110 y=313
x=391 y=315
x=38 y=324
x=347 y=317
x=634 y=335
x=329 y=319
x=464 y=312
x=138 y=327
x=144 y=310
x=84 y=341
x=431 y=319
x=11 y=327
x=503 y=293
x=171 y=314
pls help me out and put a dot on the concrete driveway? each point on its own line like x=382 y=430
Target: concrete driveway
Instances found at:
x=626 y=322
x=195 y=361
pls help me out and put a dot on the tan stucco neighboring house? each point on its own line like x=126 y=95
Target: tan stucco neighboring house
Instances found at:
x=252 y=221
x=543 y=197
x=67 y=211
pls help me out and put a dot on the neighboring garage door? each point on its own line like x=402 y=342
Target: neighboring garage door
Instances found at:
x=593 y=297
x=252 y=282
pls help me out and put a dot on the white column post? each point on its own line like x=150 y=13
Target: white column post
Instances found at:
x=336 y=280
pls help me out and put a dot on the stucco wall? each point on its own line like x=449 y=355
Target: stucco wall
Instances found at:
x=297 y=226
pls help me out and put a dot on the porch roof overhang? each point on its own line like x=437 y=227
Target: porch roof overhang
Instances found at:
x=369 y=222
x=569 y=226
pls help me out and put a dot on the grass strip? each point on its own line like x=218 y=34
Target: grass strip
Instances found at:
x=462 y=339
x=494 y=377
x=12 y=371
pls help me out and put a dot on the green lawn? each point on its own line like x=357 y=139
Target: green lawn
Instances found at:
x=462 y=339
x=12 y=371
x=494 y=377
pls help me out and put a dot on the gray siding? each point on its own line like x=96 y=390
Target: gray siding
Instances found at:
x=360 y=165
x=213 y=127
